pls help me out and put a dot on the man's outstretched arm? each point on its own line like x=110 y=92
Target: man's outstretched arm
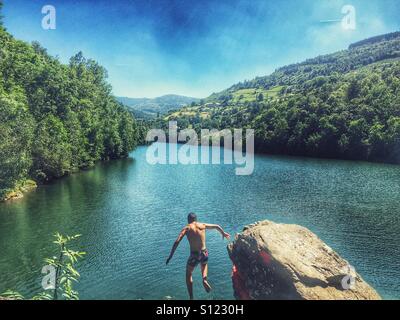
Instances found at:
x=219 y=229
x=176 y=244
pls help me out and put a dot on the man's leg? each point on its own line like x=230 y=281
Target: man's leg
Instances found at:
x=189 y=280
x=204 y=274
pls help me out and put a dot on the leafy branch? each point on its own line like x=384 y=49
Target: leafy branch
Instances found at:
x=65 y=273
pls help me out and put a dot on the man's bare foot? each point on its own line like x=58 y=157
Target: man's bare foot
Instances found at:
x=206 y=285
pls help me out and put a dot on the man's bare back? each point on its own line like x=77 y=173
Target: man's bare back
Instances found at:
x=196 y=235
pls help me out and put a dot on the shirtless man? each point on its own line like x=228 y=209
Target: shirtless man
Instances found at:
x=196 y=235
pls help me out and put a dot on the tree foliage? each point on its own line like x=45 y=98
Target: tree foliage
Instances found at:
x=1 y=17
x=344 y=105
x=56 y=118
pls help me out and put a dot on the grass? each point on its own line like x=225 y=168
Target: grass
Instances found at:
x=239 y=97
x=249 y=95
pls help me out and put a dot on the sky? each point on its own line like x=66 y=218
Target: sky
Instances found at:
x=195 y=47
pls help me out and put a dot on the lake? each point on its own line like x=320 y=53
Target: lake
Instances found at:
x=130 y=212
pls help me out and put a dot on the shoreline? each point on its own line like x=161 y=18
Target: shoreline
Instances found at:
x=19 y=191
x=29 y=185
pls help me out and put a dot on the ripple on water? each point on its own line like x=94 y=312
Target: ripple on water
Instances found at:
x=129 y=213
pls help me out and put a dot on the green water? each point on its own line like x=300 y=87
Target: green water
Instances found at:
x=130 y=212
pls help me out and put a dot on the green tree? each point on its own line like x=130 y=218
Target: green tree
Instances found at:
x=56 y=118
x=16 y=134
x=1 y=16
x=51 y=150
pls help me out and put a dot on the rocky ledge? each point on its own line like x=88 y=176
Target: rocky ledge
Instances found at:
x=281 y=261
x=19 y=190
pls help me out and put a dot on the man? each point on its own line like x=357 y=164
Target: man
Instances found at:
x=196 y=235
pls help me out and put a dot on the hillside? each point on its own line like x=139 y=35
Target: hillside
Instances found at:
x=54 y=118
x=344 y=105
x=150 y=108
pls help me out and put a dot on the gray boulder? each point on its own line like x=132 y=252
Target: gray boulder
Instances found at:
x=281 y=261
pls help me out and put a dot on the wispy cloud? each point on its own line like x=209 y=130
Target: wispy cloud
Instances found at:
x=196 y=47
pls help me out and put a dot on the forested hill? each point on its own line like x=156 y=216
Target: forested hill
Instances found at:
x=377 y=39
x=343 y=105
x=360 y=54
x=55 y=118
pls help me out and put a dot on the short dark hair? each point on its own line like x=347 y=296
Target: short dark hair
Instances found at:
x=192 y=217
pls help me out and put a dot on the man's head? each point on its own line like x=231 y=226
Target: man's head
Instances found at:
x=192 y=217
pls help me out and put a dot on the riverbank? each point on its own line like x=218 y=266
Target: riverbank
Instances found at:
x=19 y=191
x=29 y=185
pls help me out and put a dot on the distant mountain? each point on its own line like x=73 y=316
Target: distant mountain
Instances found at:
x=149 y=108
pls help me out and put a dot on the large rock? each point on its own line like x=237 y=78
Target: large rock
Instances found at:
x=281 y=261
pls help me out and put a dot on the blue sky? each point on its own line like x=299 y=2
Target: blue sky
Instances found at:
x=194 y=48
